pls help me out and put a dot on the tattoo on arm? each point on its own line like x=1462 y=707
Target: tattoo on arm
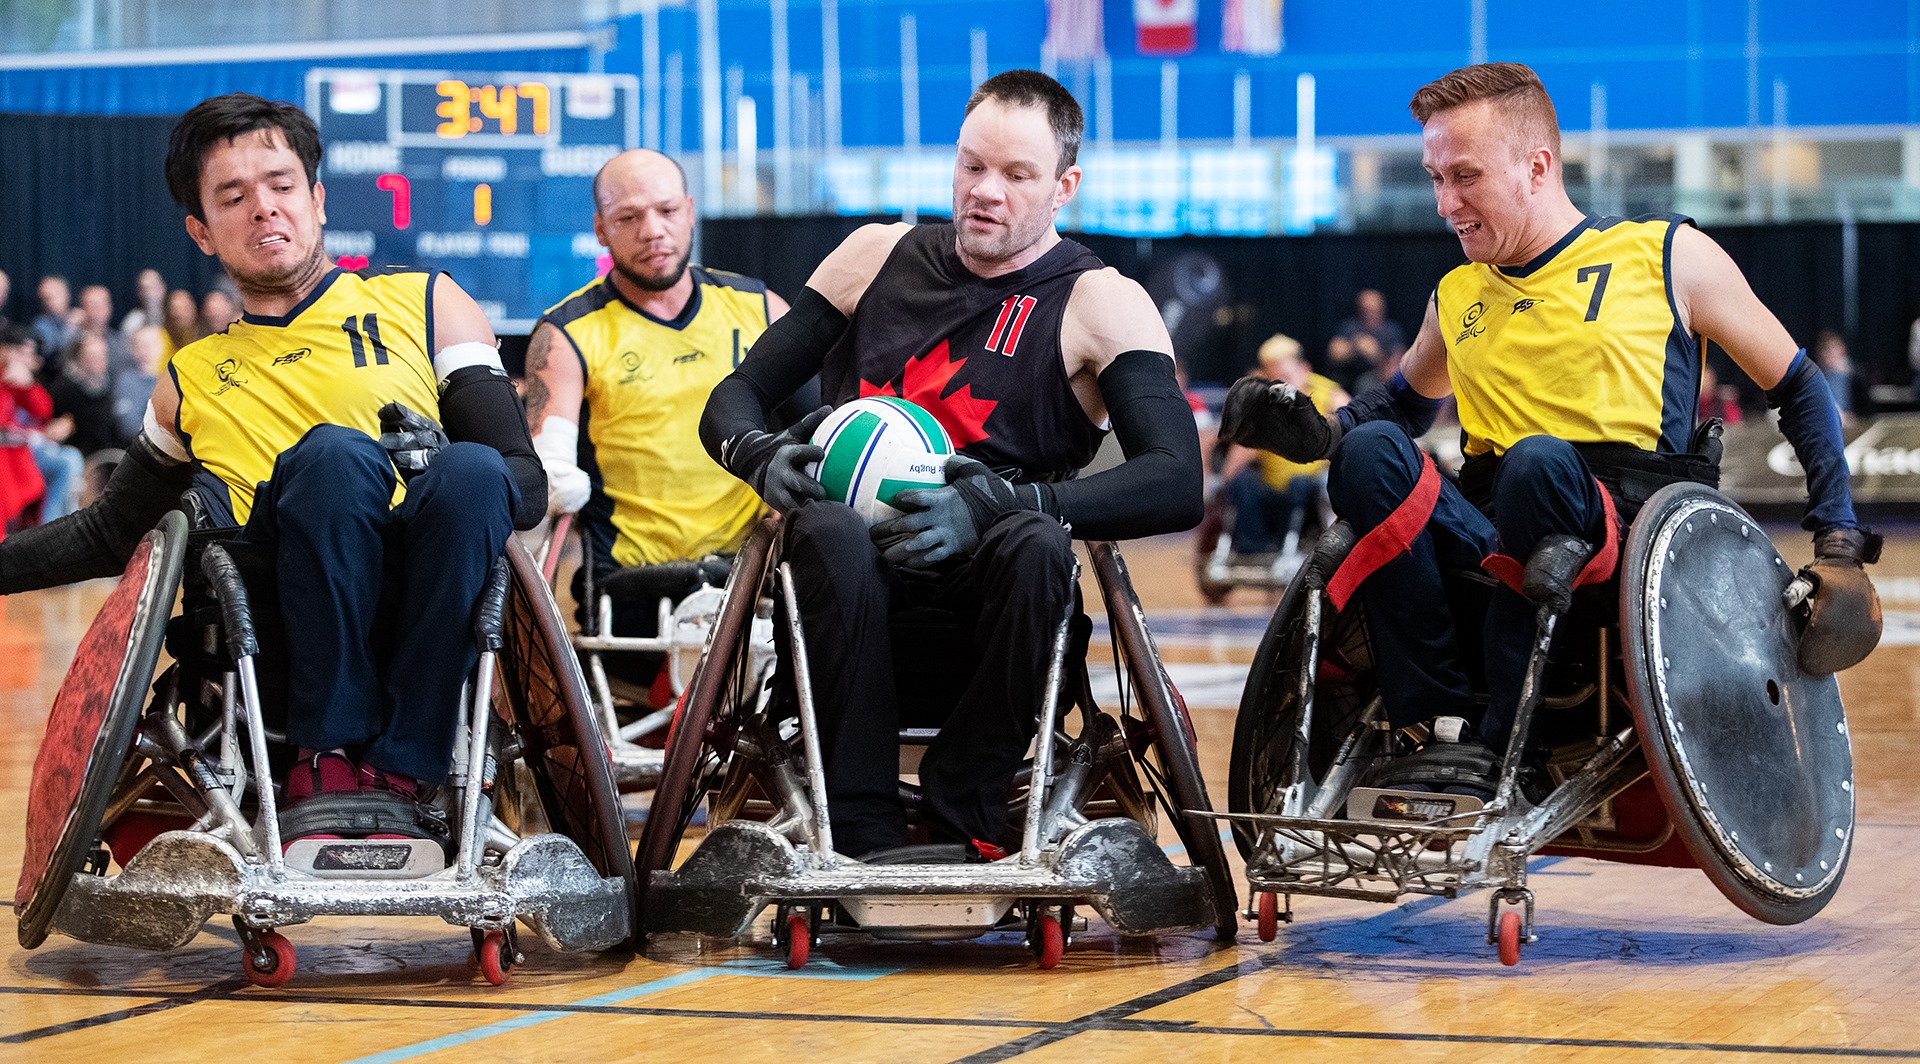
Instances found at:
x=538 y=347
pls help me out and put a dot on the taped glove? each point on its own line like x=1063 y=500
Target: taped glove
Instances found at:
x=1840 y=608
x=568 y=486
x=1274 y=416
x=780 y=467
x=411 y=439
x=941 y=523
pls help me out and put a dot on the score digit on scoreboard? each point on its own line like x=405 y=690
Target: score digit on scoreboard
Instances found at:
x=487 y=176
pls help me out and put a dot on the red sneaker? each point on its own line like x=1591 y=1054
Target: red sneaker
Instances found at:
x=319 y=772
x=378 y=779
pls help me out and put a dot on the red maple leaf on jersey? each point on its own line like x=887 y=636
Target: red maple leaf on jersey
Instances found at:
x=962 y=414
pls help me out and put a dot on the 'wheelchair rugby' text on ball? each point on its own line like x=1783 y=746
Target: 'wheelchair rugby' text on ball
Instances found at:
x=878 y=447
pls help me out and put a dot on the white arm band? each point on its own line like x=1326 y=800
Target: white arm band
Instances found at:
x=163 y=438
x=557 y=442
x=460 y=356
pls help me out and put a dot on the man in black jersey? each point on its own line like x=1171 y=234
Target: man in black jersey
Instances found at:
x=1023 y=345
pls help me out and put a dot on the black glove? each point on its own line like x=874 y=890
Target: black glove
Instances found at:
x=775 y=464
x=942 y=523
x=1274 y=416
x=411 y=439
x=1842 y=611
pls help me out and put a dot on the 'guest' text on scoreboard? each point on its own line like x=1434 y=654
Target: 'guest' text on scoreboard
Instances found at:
x=485 y=175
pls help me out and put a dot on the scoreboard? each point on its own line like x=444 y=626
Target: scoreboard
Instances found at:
x=483 y=174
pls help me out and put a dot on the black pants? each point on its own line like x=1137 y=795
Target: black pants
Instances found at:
x=1008 y=599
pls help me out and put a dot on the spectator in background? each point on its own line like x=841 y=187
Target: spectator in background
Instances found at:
x=54 y=329
x=1272 y=495
x=181 y=324
x=150 y=295
x=31 y=415
x=1913 y=357
x=1830 y=354
x=96 y=317
x=134 y=385
x=6 y=293
x=20 y=480
x=1716 y=399
x=216 y=312
x=1366 y=349
x=84 y=392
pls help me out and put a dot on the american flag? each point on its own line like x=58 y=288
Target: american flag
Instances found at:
x=1251 y=26
x=1074 y=31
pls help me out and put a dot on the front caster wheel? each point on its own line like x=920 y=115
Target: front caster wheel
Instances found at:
x=268 y=959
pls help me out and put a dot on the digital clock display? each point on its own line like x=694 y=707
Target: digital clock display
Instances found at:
x=486 y=175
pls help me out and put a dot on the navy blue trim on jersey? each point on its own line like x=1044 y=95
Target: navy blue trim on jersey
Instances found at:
x=179 y=401
x=432 y=277
x=1547 y=256
x=1680 y=383
x=286 y=319
x=680 y=321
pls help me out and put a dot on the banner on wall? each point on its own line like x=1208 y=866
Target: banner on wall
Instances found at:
x=1251 y=27
x=1883 y=462
x=1164 y=27
x=1074 y=30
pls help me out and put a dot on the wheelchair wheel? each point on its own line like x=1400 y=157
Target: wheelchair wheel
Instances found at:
x=696 y=760
x=91 y=727
x=1266 y=729
x=1168 y=759
x=1750 y=755
x=542 y=692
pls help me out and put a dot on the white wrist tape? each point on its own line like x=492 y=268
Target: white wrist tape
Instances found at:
x=558 y=445
x=460 y=356
x=163 y=438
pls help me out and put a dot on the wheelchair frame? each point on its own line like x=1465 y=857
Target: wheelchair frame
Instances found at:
x=726 y=744
x=230 y=862
x=1290 y=826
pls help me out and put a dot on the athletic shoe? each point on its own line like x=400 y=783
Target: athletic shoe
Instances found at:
x=379 y=779
x=319 y=772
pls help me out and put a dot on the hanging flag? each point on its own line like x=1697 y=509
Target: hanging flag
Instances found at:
x=1074 y=30
x=1251 y=26
x=1164 y=27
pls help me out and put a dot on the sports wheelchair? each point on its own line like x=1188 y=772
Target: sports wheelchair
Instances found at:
x=1682 y=731
x=178 y=794
x=1218 y=569
x=684 y=597
x=1087 y=802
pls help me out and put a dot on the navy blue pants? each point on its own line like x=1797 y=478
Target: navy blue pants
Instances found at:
x=869 y=653
x=1542 y=487
x=377 y=600
x=1263 y=515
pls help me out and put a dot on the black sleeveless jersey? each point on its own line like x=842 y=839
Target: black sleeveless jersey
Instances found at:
x=981 y=354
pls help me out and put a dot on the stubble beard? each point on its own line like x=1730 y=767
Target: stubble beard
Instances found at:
x=296 y=280
x=655 y=282
x=1017 y=239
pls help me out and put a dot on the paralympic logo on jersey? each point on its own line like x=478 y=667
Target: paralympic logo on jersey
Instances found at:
x=230 y=379
x=1470 y=326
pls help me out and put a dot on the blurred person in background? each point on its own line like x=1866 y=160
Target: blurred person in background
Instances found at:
x=6 y=293
x=84 y=392
x=132 y=385
x=1366 y=348
x=180 y=323
x=54 y=329
x=20 y=481
x=150 y=296
x=1830 y=354
x=96 y=318
x=217 y=311
x=29 y=415
x=1716 y=399
x=1270 y=493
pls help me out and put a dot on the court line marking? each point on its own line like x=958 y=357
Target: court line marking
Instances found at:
x=758 y=967
x=165 y=1004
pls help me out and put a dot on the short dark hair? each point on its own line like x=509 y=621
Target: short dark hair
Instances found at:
x=1031 y=88
x=220 y=119
x=1513 y=87
x=12 y=335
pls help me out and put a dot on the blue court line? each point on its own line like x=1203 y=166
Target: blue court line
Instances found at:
x=1178 y=848
x=761 y=967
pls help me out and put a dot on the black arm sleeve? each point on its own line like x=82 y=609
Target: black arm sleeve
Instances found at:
x=478 y=405
x=785 y=357
x=1158 y=489
x=98 y=540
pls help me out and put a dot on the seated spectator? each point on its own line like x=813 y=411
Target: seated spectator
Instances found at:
x=181 y=323
x=84 y=392
x=132 y=386
x=1271 y=494
x=216 y=312
x=54 y=329
x=6 y=293
x=1830 y=354
x=1366 y=348
x=20 y=482
x=1716 y=399
x=96 y=316
x=151 y=293
x=32 y=415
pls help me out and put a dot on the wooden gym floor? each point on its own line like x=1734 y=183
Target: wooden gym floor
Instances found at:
x=1633 y=964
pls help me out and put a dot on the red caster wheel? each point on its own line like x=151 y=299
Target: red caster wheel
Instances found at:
x=799 y=940
x=1510 y=938
x=267 y=958
x=496 y=956
x=1268 y=924
x=1048 y=941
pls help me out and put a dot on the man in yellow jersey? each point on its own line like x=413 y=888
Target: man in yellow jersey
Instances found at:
x=296 y=419
x=633 y=357
x=1270 y=492
x=1569 y=341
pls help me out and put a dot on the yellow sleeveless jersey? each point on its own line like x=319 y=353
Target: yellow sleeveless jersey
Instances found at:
x=1278 y=472
x=647 y=383
x=1583 y=343
x=358 y=342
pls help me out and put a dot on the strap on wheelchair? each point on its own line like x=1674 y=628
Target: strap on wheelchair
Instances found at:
x=1606 y=556
x=1390 y=539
